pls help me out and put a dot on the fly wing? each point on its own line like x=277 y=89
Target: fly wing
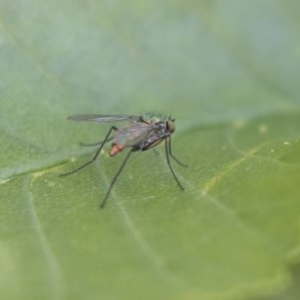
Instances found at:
x=102 y=118
x=133 y=134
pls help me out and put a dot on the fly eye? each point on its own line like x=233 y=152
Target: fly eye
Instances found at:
x=170 y=126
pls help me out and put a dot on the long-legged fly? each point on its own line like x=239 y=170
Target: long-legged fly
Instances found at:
x=140 y=134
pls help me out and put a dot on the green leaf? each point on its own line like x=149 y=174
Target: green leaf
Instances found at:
x=228 y=72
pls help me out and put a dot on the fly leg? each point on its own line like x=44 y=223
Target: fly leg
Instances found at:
x=168 y=154
x=115 y=178
x=94 y=144
x=106 y=139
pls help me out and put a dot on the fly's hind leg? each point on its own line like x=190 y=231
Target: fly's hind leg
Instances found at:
x=94 y=144
x=106 y=139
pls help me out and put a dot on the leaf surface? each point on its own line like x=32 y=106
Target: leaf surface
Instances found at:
x=227 y=72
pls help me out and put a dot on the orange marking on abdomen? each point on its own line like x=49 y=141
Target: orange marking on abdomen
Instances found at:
x=115 y=149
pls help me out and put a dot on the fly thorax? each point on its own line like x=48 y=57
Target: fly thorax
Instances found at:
x=157 y=135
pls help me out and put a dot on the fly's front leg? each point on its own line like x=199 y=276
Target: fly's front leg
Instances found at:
x=106 y=139
x=168 y=154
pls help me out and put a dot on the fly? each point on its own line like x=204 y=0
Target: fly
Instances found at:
x=140 y=134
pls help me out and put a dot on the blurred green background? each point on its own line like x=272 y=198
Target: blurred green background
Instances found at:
x=228 y=71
